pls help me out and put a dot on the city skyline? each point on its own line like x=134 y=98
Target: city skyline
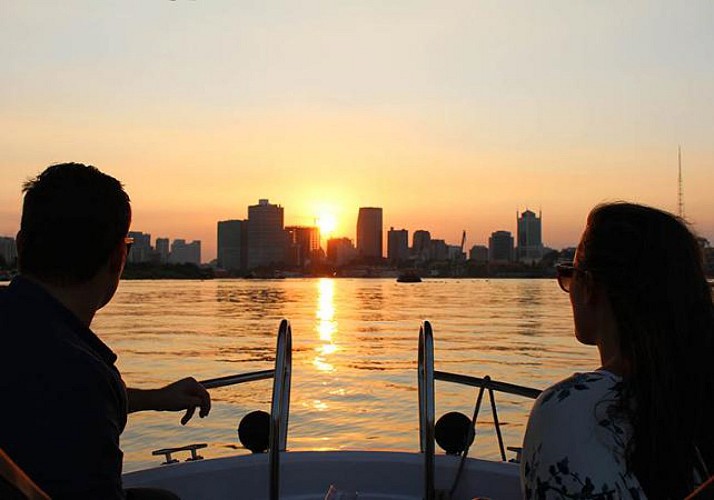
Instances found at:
x=450 y=116
x=264 y=240
x=234 y=245
x=209 y=246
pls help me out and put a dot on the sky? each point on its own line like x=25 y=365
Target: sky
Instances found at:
x=451 y=115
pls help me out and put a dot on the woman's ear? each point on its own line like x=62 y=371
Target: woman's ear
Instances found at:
x=593 y=292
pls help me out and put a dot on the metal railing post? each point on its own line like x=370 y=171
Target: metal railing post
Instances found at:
x=426 y=375
x=279 y=406
x=425 y=380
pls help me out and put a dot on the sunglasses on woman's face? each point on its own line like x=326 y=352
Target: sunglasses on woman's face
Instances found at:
x=565 y=273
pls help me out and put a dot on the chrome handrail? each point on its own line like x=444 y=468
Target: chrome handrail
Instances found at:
x=426 y=376
x=518 y=390
x=213 y=383
x=487 y=384
x=425 y=381
x=280 y=405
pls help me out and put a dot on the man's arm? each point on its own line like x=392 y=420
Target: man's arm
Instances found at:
x=185 y=394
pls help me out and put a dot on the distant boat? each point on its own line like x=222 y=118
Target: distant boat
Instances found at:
x=408 y=277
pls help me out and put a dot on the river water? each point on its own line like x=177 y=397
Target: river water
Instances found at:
x=354 y=355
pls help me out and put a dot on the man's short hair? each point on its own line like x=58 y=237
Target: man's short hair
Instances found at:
x=73 y=217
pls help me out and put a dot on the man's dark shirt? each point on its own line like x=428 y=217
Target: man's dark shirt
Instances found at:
x=63 y=401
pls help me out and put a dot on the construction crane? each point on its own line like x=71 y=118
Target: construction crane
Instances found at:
x=453 y=257
x=680 y=197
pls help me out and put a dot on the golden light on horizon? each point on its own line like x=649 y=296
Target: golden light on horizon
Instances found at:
x=327 y=223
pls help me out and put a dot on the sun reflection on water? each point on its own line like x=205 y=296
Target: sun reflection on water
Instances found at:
x=326 y=325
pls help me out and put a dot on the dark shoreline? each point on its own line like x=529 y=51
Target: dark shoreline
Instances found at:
x=146 y=271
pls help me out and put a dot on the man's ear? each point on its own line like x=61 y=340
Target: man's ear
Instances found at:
x=116 y=258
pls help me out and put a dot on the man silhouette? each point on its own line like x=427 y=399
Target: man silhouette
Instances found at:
x=64 y=402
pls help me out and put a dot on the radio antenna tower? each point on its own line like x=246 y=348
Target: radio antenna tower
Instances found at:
x=680 y=198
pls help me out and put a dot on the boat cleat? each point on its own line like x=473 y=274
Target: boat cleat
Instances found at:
x=191 y=447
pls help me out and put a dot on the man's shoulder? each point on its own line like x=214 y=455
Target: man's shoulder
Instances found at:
x=20 y=303
x=44 y=350
x=28 y=329
x=5 y=297
x=4 y=293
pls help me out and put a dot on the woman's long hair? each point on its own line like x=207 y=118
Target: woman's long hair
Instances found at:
x=651 y=267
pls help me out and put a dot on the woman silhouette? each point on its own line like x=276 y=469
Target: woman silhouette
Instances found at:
x=641 y=425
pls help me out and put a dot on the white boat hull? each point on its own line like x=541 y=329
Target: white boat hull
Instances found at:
x=308 y=475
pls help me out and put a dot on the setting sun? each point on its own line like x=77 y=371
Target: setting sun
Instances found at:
x=327 y=222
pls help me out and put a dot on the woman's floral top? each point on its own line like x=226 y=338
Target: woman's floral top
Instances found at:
x=574 y=445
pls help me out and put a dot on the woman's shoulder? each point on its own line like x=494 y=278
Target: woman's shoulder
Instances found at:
x=577 y=408
x=580 y=388
x=575 y=441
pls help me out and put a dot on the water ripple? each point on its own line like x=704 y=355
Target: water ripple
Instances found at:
x=354 y=354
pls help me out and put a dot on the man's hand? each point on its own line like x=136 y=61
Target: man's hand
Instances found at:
x=185 y=394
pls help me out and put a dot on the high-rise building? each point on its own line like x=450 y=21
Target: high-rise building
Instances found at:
x=397 y=245
x=267 y=240
x=369 y=232
x=304 y=245
x=141 y=249
x=8 y=250
x=340 y=251
x=438 y=250
x=479 y=254
x=162 y=249
x=500 y=247
x=530 y=245
x=421 y=245
x=232 y=244
x=455 y=253
x=185 y=253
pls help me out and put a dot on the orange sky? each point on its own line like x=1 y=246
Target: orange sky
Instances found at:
x=450 y=117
